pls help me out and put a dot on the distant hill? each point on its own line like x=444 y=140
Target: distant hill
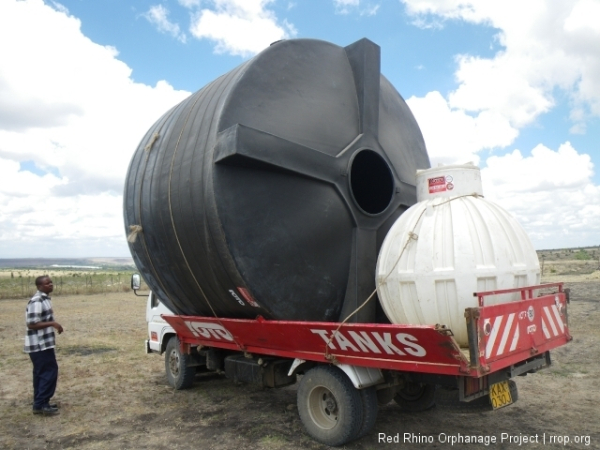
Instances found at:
x=583 y=253
x=16 y=263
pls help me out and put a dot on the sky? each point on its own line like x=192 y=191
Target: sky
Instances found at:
x=512 y=86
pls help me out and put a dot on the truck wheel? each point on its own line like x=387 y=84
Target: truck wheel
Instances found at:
x=330 y=407
x=368 y=397
x=415 y=397
x=179 y=374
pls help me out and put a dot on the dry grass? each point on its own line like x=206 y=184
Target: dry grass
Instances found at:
x=100 y=357
x=112 y=395
x=564 y=265
x=570 y=271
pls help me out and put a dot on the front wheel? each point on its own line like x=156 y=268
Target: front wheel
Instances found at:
x=177 y=365
x=330 y=407
x=415 y=397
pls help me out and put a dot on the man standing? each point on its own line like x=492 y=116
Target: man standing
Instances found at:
x=39 y=344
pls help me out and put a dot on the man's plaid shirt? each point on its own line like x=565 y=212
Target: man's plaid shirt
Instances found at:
x=39 y=309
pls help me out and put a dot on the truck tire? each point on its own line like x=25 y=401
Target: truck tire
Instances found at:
x=179 y=374
x=330 y=407
x=415 y=397
x=368 y=396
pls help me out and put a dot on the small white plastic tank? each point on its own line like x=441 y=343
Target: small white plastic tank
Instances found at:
x=452 y=243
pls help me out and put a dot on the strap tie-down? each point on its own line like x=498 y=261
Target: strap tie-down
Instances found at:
x=134 y=230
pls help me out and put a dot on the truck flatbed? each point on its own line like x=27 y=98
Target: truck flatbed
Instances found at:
x=500 y=336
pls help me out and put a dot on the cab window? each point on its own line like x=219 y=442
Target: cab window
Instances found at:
x=154 y=301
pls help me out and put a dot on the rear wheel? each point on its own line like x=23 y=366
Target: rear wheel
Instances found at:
x=368 y=397
x=330 y=407
x=416 y=397
x=177 y=365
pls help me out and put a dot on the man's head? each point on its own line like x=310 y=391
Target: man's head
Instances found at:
x=44 y=284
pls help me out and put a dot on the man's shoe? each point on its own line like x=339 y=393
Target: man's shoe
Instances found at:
x=51 y=405
x=46 y=410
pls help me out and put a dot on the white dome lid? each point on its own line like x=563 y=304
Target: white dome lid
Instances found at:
x=449 y=181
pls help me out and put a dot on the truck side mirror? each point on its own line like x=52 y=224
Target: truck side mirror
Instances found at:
x=136 y=282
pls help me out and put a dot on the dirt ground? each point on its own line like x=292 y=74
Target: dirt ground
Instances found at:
x=114 y=396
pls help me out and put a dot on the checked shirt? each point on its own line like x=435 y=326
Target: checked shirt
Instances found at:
x=39 y=309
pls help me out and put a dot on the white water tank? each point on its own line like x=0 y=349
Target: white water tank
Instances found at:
x=452 y=243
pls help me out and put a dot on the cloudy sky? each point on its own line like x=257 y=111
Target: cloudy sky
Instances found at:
x=513 y=86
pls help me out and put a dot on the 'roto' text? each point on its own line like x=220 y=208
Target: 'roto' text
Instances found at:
x=209 y=331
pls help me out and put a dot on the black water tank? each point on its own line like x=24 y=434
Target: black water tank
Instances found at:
x=269 y=191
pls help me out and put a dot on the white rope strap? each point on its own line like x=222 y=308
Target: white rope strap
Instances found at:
x=134 y=230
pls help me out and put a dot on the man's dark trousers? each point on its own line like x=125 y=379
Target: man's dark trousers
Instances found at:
x=45 y=376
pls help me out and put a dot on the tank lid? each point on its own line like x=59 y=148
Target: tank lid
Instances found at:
x=449 y=181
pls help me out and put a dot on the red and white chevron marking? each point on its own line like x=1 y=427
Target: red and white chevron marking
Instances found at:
x=552 y=317
x=504 y=333
x=505 y=329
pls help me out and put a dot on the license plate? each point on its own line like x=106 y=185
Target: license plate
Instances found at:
x=500 y=395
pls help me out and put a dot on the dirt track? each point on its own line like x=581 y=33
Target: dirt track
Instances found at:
x=112 y=395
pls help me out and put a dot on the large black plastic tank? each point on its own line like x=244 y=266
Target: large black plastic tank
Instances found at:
x=270 y=190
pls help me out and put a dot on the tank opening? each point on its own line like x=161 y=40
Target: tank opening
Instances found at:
x=371 y=182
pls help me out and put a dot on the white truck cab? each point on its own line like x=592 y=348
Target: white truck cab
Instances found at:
x=159 y=331
x=179 y=367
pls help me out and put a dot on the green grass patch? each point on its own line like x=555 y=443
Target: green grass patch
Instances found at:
x=20 y=283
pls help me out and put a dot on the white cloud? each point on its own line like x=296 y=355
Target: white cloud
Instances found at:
x=31 y=211
x=454 y=137
x=562 y=169
x=240 y=27
x=360 y=6
x=189 y=3
x=76 y=113
x=344 y=6
x=547 y=48
x=158 y=15
x=546 y=45
x=551 y=193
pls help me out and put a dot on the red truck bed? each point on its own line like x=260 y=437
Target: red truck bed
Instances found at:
x=499 y=336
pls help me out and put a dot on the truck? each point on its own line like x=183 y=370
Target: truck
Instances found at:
x=292 y=230
x=347 y=370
